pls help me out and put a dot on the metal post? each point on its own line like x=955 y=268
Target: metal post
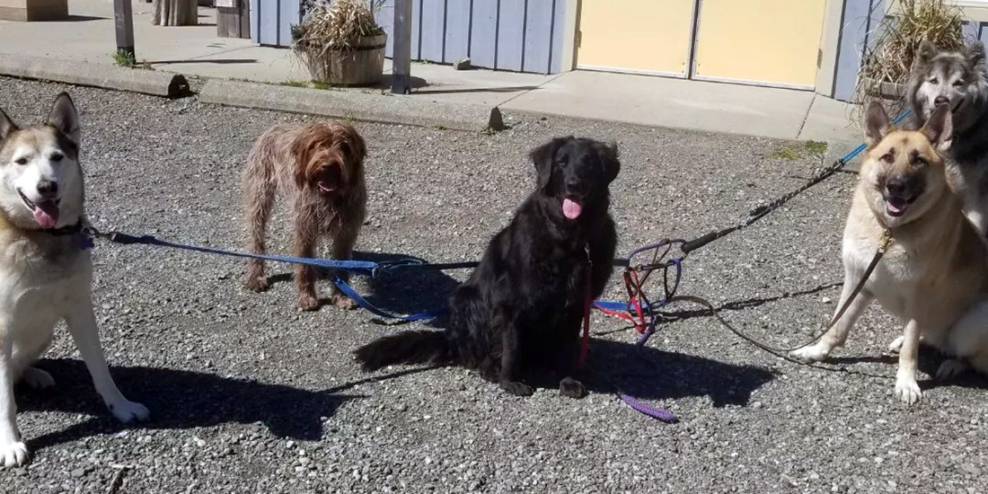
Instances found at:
x=123 y=20
x=401 y=60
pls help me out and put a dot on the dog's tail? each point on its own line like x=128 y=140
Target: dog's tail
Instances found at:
x=409 y=347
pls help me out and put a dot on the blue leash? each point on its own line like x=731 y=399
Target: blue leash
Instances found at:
x=365 y=268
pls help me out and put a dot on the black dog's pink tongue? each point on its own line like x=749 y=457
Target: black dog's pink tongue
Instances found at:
x=46 y=214
x=571 y=209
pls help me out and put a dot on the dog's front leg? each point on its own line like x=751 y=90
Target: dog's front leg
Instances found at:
x=343 y=244
x=906 y=387
x=13 y=452
x=510 y=375
x=305 y=234
x=837 y=334
x=82 y=326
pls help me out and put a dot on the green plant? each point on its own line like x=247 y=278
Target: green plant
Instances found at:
x=124 y=58
x=320 y=84
x=294 y=83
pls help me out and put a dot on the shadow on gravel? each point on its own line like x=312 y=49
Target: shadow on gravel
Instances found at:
x=400 y=291
x=648 y=373
x=179 y=400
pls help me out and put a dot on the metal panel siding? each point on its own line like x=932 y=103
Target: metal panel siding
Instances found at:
x=255 y=31
x=483 y=37
x=385 y=15
x=853 y=37
x=457 y=30
x=433 y=25
x=983 y=33
x=511 y=35
x=558 y=31
x=538 y=36
x=289 y=10
x=416 y=29
x=268 y=28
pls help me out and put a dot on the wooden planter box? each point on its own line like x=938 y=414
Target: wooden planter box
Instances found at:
x=361 y=66
x=34 y=10
x=887 y=90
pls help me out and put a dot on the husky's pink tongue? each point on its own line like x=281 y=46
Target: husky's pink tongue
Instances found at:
x=571 y=209
x=46 y=214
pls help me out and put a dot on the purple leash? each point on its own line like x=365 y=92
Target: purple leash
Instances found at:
x=654 y=412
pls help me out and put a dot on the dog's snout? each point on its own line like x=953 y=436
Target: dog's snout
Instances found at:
x=897 y=186
x=941 y=100
x=47 y=188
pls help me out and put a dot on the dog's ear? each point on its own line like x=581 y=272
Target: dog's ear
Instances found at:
x=544 y=158
x=6 y=126
x=612 y=165
x=924 y=54
x=64 y=117
x=358 y=148
x=975 y=53
x=877 y=124
x=939 y=129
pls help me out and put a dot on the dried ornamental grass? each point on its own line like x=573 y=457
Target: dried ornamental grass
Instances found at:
x=329 y=37
x=336 y=26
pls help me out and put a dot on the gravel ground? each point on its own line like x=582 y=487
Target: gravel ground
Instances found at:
x=248 y=394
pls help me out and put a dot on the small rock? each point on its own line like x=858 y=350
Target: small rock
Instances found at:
x=462 y=64
x=79 y=472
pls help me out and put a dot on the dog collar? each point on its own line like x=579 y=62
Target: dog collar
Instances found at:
x=78 y=231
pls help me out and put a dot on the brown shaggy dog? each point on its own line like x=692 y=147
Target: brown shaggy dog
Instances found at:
x=320 y=169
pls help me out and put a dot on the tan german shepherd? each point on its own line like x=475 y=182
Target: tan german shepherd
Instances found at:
x=933 y=276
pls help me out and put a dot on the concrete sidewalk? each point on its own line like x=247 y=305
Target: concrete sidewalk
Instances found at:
x=652 y=101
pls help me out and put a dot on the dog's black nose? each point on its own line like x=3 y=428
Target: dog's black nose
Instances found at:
x=896 y=186
x=47 y=188
x=941 y=100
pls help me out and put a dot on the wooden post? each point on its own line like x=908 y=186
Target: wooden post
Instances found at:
x=401 y=60
x=123 y=20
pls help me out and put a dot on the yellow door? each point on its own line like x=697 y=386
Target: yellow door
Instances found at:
x=650 y=36
x=773 y=42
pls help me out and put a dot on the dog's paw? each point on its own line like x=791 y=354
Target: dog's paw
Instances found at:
x=907 y=390
x=343 y=302
x=572 y=388
x=517 y=388
x=257 y=284
x=950 y=369
x=308 y=302
x=36 y=378
x=812 y=353
x=14 y=454
x=896 y=344
x=128 y=411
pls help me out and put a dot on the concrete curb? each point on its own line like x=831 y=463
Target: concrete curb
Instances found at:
x=150 y=82
x=362 y=106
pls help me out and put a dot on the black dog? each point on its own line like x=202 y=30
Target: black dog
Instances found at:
x=522 y=308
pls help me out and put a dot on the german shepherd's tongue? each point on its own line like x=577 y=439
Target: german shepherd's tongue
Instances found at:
x=46 y=214
x=571 y=209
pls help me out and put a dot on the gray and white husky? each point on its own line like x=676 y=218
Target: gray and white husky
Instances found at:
x=45 y=271
x=958 y=79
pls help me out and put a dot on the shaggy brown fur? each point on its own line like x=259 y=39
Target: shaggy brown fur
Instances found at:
x=319 y=168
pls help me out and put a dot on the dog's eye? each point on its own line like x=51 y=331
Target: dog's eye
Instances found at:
x=562 y=160
x=888 y=158
x=21 y=161
x=958 y=83
x=934 y=81
x=56 y=157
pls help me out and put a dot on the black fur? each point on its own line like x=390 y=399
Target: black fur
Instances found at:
x=521 y=310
